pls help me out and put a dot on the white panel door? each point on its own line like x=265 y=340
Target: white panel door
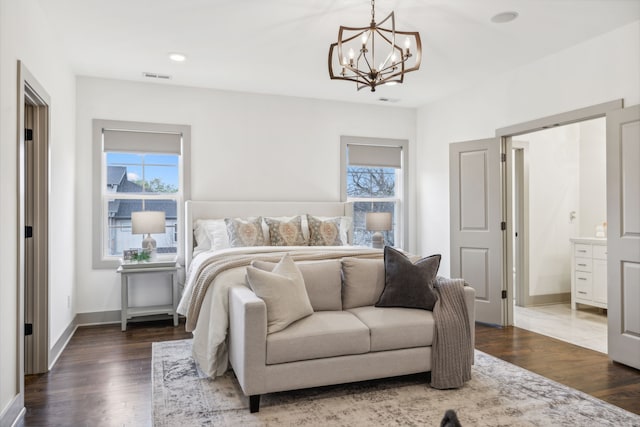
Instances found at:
x=475 y=189
x=623 y=239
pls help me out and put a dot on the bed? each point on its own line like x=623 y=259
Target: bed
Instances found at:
x=212 y=271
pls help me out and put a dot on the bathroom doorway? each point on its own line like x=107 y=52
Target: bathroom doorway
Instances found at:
x=558 y=182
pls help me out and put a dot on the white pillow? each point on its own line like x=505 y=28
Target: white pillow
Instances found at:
x=202 y=242
x=211 y=234
x=283 y=292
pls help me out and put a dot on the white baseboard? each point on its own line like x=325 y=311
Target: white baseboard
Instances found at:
x=61 y=344
x=13 y=414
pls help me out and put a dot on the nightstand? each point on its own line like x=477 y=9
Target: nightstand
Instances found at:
x=127 y=270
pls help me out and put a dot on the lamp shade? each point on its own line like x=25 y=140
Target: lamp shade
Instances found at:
x=147 y=222
x=378 y=221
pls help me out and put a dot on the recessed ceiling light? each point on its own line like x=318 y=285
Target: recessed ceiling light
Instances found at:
x=177 y=57
x=504 y=17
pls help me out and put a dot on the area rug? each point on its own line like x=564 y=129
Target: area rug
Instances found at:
x=499 y=394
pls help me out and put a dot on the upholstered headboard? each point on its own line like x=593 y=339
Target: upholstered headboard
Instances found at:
x=195 y=210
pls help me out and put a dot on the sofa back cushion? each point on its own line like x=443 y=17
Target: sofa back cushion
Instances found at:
x=363 y=282
x=322 y=279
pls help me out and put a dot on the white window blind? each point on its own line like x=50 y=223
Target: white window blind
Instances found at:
x=374 y=156
x=127 y=141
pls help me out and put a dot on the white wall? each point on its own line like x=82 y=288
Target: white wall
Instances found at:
x=244 y=147
x=25 y=35
x=599 y=70
x=553 y=194
x=593 y=176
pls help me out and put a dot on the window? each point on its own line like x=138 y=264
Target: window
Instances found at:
x=373 y=175
x=141 y=168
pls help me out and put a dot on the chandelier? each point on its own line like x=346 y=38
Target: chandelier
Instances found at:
x=370 y=56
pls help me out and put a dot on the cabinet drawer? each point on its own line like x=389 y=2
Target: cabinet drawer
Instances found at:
x=584 y=264
x=583 y=250
x=599 y=252
x=583 y=285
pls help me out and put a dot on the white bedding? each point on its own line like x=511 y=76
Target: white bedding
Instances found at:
x=210 y=333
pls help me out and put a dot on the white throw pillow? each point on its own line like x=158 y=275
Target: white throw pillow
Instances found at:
x=210 y=234
x=283 y=292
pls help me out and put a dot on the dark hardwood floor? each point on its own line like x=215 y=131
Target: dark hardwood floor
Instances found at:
x=104 y=375
x=103 y=378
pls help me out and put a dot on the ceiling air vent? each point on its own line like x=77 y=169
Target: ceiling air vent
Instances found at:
x=157 y=76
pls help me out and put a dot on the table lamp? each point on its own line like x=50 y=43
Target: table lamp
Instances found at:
x=148 y=222
x=378 y=221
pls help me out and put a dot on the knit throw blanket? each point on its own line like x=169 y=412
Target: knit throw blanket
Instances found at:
x=451 y=352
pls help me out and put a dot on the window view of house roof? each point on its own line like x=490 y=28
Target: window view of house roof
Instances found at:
x=118 y=182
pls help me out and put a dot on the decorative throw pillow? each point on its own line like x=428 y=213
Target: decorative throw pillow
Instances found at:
x=283 y=292
x=324 y=232
x=345 y=225
x=407 y=284
x=286 y=233
x=362 y=281
x=245 y=232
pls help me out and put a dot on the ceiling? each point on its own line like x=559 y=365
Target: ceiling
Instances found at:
x=281 y=46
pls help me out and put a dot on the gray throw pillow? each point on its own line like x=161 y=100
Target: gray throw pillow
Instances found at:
x=407 y=284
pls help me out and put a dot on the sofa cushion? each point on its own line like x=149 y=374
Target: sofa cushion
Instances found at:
x=322 y=279
x=283 y=292
x=407 y=284
x=323 y=334
x=363 y=281
x=396 y=328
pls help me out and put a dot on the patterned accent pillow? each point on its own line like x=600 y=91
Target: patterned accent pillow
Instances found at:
x=324 y=232
x=245 y=232
x=286 y=232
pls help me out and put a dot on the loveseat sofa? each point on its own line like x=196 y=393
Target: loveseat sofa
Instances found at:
x=346 y=339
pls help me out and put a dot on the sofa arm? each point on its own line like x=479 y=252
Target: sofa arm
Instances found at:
x=470 y=300
x=248 y=339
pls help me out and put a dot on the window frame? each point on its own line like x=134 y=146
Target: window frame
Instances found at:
x=99 y=174
x=402 y=217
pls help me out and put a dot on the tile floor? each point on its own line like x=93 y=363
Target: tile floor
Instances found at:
x=586 y=327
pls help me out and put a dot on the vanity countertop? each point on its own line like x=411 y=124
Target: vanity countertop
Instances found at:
x=590 y=240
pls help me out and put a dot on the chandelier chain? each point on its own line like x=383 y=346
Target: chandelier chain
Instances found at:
x=373 y=10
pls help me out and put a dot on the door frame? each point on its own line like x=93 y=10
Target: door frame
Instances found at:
x=520 y=152
x=506 y=134
x=32 y=93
